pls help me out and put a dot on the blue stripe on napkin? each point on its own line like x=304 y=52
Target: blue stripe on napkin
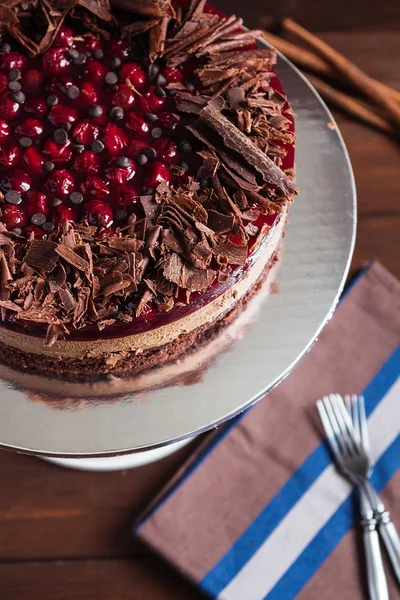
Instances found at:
x=330 y=535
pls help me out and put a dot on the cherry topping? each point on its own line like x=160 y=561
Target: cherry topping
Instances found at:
x=3 y=83
x=87 y=163
x=60 y=183
x=128 y=197
x=96 y=71
x=115 y=139
x=120 y=170
x=155 y=173
x=10 y=157
x=55 y=61
x=172 y=75
x=134 y=73
x=32 y=80
x=124 y=97
x=63 y=213
x=167 y=121
x=17 y=180
x=30 y=127
x=94 y=186
x=13 y=216
x=85 y=132
x=38 y=233
x=13 y=60
x=4 y=130
x=137 y=123
x=60 y=114
x=89 y=93
x=166 y=150
x=65 y=37
x=36 y=106
x=57 y=152
x=136 y=146
x=37 y=203
x=119 y=48
x=98 y=213
x=8 y=106
x=32 y=160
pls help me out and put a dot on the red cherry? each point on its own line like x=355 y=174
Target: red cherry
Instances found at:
x=37 y=203
x=172 y=75
x=118 y=174
x=106 y=232
x=92 y=42
x=85 y=132
x=119 y=48
x=65 y=37
x=134 y=73
x=137 y=123
x=89 y=93
x=3 y=82
x=36 y=106
x=62 y=82
x=128 y=197
x=123 y=97
x=31 y=80
x=30 y=127
x=167 y=121
x=156 y=172
x=94 y=186
x=55 y=61
x=136 y=146
x=13 y=216
x=63 y=213
x=98 y=213
x=87 y=163
x=32 y=160
x=17 y=180
x=60 y=183
x=103 y=119
x=156 y=103
x=10 y=157
x=8 y=108
x=60 y=114
x=13 y=60
x=4 y=130
x=142 y=104
x=57 y=152
x=39 y=233
x=166 y=150
x=115 y=139
x=95 y=70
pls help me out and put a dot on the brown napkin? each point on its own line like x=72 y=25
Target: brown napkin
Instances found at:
x=259 y=511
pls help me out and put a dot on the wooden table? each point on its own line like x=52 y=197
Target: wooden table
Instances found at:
x=67 y=534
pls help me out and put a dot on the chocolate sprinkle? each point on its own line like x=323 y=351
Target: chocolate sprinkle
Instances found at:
x=111 y=78
x=73 y=92
x=13 y=197
x=25 y=141
x=38 y=219
x=76 y=198
x=60 y=136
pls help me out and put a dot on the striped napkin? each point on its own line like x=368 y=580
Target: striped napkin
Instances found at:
x=259 y=511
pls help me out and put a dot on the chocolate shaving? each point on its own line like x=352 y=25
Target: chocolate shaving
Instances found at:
x=42 y=255
x=236 y=255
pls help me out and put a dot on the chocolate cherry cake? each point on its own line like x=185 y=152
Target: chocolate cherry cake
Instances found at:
x=146 y=166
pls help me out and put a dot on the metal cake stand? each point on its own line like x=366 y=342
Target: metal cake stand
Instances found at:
x=318 y=246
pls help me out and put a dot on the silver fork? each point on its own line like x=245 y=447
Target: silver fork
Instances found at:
x=356 y=409
x=354 y=465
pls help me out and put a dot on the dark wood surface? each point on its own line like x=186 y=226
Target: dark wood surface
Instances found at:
x=66 y=535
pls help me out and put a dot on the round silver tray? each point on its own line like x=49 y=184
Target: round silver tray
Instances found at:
x=318 y=246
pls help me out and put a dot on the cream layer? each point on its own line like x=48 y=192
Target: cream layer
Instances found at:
x=154 y=337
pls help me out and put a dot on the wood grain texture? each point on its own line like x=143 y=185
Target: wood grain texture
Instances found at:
x=66 y=535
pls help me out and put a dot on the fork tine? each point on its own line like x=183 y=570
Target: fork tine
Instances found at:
x=344 y=422
x=330 y=434
x=363 y=424
x=335 y=425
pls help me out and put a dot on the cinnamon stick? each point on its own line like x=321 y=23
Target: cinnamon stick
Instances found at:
x=356 y=108
x=310 y=61
x=349 y=71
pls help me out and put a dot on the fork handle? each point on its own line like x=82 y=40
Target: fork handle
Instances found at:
x=377 y=585
x=386 y=528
